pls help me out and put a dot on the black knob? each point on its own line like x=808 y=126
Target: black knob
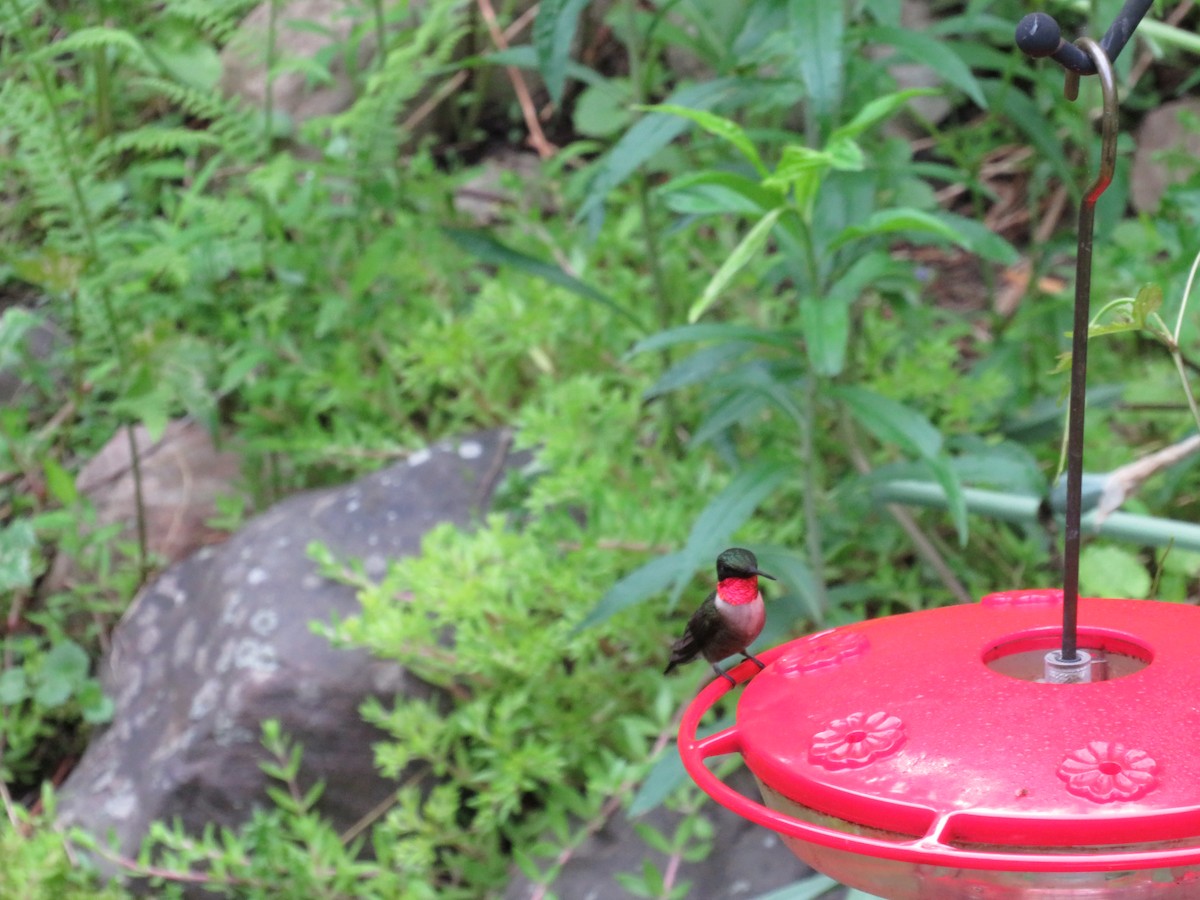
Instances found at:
x=1038 y=35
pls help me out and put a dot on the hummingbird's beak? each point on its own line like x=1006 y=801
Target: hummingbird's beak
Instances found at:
x=765 y=575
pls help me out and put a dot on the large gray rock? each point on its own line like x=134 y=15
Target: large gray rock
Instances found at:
x=222 y=641
x=1163 y=133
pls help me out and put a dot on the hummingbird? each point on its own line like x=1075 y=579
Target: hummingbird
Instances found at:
x=729 y=619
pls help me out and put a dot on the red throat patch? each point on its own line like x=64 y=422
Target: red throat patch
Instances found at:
x=736 y=591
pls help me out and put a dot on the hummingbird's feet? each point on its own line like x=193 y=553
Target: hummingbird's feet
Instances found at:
x=724 y=674
x=754 y=659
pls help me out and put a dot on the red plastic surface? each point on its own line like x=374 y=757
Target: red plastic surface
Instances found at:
x=899 y=724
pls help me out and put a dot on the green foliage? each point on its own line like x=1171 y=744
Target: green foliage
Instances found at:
x=740 y=346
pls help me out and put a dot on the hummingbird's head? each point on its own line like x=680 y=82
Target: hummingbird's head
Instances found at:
x=737 y=562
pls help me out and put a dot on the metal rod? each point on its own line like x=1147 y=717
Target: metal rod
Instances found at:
x=1079 y=337
x=1038 y=34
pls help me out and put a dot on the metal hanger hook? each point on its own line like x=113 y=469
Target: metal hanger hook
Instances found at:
x=1108 y=116
x=1079 y=342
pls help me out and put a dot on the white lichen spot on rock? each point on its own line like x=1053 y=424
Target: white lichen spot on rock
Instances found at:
x=311 y=581
x=257 y=576
x=121 y=806
x=148 y=640
x=205 y=700
x=470 y=450
x=420 y=457
x=255 y=655
x=264 y=622
x=353 y=505
x=185 y=643
x=375 y=565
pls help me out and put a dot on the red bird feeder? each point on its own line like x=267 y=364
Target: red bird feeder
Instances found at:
x=921 y=757
x=994 y=751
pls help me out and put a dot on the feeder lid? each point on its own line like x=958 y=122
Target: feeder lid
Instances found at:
x=905 y=724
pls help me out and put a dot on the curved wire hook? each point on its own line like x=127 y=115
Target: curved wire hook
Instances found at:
x=1079 y=337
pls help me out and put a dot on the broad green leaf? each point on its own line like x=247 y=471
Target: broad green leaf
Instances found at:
x=826 y=323
x=712 y=331
x=739 y=406
x=735 y=262
x=1106 y=571
x=794 y=573
x=877 y=110
x=1013 y=105
x=14 y=687
x=725 y=514
x=845 y=155
x=1149 y=300
x=900 y=220
x=17 y=543
x=696 y=368
x=956 y=501
x=976 y=237
x=59 y=482
x=798 y=165
x=1099 y=331
x=603 y=110
x=67 y=660
x=826 y=320
x=486 y=248
x=755 y=198
x=818 y=27
x=667 y=774
x=639 y=585
x=892 y=422
x=553 y=34
x=660 y=782
x=645 y=139
x=935 y=53
x=718 y=126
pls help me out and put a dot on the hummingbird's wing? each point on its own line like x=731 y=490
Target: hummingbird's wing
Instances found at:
x=701 y=629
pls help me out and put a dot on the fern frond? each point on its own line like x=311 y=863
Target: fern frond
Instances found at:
x=217 y=19
x=98 y=37
x=160 y=141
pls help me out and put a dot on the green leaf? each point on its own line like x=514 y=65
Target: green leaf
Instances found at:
x=935 y=53
x=14 y=687
x=817 y=29
x=735 y=262
x=1106 y=571
x=639 y=585
x=713 y=331
x=746 y=196
x=66 y=659
x=59 y=482
x=891 y=422
x=877 y=110
x=17 y=543
x=826 y=320
x=646 y=138
x=489 y=250
x=793 y=572
x=976 y=237
x=1148 y=301
x=15 y=323
x=956 y=500
x=725 y=514
x=700 y=366
x=826 y=323
x=718 y=126
x=553 y=34
x=901 y=219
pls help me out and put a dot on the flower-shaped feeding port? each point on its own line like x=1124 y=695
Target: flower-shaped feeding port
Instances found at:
x=820 y=651
x=1106 y=772
x=856 y=740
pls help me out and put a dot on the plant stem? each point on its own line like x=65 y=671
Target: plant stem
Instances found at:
x=381 y=51
x=88 y=230
x=812 y=488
